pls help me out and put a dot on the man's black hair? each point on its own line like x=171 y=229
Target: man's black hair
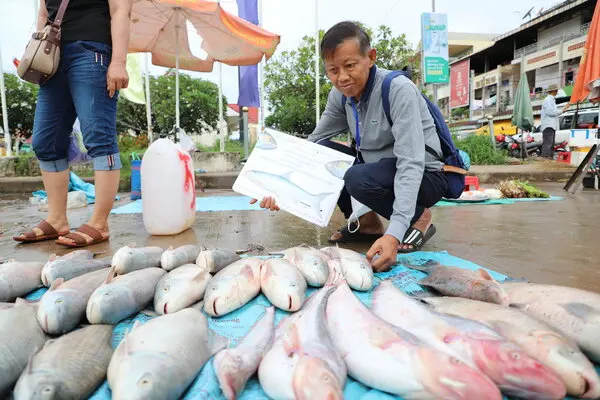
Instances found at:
x=342 y=31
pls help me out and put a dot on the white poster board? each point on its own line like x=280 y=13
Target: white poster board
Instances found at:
x=305 y=178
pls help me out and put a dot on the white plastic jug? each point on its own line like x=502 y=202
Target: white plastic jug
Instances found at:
x=168 y=188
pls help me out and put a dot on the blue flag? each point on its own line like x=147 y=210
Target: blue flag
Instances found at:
x=248 y=75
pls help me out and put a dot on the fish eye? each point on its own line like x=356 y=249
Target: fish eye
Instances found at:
x=454 y=360
x=58 y=301
x=165 y=289
x=516 y=356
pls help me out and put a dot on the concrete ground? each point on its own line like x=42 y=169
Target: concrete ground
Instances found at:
x=545 y=242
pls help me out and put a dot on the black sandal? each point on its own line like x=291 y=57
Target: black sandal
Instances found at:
x=416 y=239
x=356 y=237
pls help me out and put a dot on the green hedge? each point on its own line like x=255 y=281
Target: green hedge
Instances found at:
x=480 y=150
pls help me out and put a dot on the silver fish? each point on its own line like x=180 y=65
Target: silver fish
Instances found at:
x=574 y=312
x=281 y=186
x=20 y=337
x=283 y=284
x=312 y=263
x=338 y=168
x=216 y=259
x=70 y=367
x=357 y=270
x=63 y=306
x=130 y=258
x=537 y=338
x=121 y=296
x=460 y=282
x=392 y=360
x=303 y=362
x=180 y=288
x=176 y=257
x=233 y=287
x=17 y=279
x=81 y=254
x=72 y=268
x=160 y=358
x=234 y=366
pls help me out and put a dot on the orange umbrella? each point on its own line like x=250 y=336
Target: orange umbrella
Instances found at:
x=159 y=27
x=587 y=83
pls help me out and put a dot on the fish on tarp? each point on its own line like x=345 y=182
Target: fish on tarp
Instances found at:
x=19 y=278
x=176 y=257
x=311 y=263
x=281 y=187
x=130 y=258
x=180 y=288
x=72 y=268
x=235 y=365
x=266 y=141
x=357 y=270
x=504 y=362
x=70 y=367
x=338 y=168
x=390 y=359
x=537 y=338
x=303 y=362
x=216 y=259
x=233 y=287
x=283 y=284
x=160 y=358
x=81 y=254
x=574 y=312
x=121 y=296
x=63 y=306
x=460 y=282
x=20 y=338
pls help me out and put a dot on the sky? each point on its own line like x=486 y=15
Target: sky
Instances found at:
x=294 y=19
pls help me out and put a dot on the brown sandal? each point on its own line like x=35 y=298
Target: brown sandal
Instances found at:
x=79 y=240
x=48 y=233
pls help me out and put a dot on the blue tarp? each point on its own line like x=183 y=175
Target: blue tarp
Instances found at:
x=76 y=183
x=235 y=325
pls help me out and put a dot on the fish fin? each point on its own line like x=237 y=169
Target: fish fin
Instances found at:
x=247 y=271
x=291 y=340
x=581 y=310
x=48 y=343
x=57 y=282
x=52 y=257
x=20 y=300
x=170 y=248
x=423 y=295
x=201 y=275
x=149 y=312
x=111 y=275
x=485 y=275
x=217 y=342
x=518 y=306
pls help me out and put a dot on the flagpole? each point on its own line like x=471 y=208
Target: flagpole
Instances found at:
x=317 y=75
x=148 y=110
x=177 y=75
x=7 y=142
x=220 y=127
x=262 y=74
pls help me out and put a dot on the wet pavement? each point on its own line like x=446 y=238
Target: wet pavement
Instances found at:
x=546 y=242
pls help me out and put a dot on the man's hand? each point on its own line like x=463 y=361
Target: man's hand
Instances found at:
x=267 y=202
x=387 y=249
x=116 y=78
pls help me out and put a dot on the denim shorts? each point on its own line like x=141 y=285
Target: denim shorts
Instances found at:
x=77 y=90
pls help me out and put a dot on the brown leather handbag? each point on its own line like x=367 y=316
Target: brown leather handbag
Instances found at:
x=42 y=54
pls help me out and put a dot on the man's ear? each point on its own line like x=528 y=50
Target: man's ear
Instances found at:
x=372 y=56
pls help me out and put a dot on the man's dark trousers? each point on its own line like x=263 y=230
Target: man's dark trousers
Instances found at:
x=548 y=136
x=373 y=185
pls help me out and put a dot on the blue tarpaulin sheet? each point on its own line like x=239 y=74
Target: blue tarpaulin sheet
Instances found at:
x=236 y=324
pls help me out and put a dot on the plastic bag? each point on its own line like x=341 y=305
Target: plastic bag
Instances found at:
x=186 y=142
x=77 y=153
x=358 y=210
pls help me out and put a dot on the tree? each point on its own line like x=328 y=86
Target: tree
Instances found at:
x=197 y=104
x=290 y=81
x=21 y=97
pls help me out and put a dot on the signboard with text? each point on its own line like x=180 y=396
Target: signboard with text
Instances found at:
x=460 y=87
x=434 y=39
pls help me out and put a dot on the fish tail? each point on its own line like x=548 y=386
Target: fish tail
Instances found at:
x=424 y=267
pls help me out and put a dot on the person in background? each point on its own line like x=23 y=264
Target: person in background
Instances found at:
x=398 y=171
x=92 y=70
x=549 y=123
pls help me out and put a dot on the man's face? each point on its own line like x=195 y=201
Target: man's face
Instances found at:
x=348 y=68
x=553 y=93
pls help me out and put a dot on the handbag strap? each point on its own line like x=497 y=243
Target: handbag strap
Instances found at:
x=60 y=14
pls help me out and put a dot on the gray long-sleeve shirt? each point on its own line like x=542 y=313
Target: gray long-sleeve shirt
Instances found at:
x=413 y=128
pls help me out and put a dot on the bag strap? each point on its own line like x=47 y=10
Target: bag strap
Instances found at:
x=60 y=14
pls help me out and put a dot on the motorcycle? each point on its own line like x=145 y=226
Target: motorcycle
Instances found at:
x=531 y=147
